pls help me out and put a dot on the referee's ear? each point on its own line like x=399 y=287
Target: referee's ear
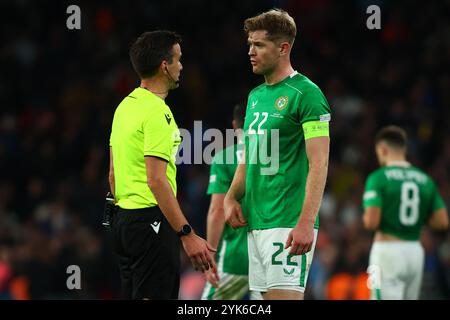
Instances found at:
x=163 y=67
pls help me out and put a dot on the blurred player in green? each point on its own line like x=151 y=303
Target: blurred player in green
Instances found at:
x=231 y=281
x=288 y=115
x=398 y=201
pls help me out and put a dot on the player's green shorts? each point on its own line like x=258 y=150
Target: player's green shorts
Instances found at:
x=271 y=266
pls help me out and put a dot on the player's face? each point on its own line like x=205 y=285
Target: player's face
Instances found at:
x=174 y=68
x=264 y=54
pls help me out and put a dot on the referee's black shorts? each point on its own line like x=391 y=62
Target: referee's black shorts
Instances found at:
x=149 y=253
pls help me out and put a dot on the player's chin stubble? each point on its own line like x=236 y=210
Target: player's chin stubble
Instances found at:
x=257 y=71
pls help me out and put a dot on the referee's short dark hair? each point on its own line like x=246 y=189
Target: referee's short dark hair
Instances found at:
x=394 y=136
x=239 y=115
x=152 y=48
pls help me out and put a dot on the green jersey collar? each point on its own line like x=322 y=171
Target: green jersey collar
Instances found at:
x=398 y=164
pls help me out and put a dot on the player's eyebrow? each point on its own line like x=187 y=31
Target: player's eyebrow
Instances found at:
x=256 y=42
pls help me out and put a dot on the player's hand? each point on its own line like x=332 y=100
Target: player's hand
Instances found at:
x=233 y=213
x=301 y=238
x=212 y=276
x=199 y=252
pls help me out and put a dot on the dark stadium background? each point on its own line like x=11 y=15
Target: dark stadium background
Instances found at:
x=59 y=89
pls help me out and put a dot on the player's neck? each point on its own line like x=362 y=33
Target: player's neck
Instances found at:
x=278 y=74
x=396 y=160
x=155 y=86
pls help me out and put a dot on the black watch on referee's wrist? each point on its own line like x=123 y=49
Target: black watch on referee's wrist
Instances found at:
x=185 y=230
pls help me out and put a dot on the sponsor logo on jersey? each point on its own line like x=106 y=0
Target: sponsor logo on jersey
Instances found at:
x=281 y=103
x=254 y=103
x=212 y=178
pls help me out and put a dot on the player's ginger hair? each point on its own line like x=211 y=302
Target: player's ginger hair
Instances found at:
x=280 y=26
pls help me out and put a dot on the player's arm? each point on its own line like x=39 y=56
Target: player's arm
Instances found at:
x=237 y=188
x=439 y=220
x=111 y=178
x=233 y=211
x=314 y=116
x=372 y=202
x=317 y=151
x=372 y=218
x=215 y=223
x=215 y=220
x=301 y=238
x=196 y=248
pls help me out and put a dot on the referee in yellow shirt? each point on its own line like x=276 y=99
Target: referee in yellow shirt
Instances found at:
x=144 y=140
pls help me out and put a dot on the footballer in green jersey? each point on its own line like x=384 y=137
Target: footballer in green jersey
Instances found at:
x=286 y=160
x=298 y=110
x=232 y=255
x=399 y=199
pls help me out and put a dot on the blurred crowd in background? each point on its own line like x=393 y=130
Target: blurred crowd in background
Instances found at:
x=59 y=90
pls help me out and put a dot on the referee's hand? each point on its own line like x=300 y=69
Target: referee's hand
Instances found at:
x=199 y=251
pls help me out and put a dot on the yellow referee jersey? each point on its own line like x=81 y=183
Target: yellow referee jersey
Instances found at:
x=143 y=125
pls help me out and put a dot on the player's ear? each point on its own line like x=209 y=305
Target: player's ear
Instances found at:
x=285 y=47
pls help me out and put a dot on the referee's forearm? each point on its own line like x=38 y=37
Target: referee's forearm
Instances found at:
x=168 y=203
x=112 y=186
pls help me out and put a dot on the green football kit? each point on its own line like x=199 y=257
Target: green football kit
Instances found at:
x=232 y=252
x=406 y=197
x=279 y=119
